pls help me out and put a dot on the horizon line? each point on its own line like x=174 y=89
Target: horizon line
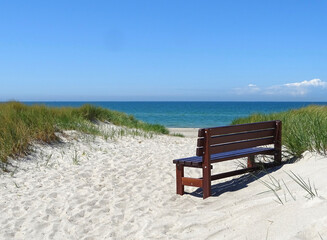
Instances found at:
x=45 y=101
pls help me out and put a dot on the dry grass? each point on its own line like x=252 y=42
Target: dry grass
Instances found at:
x=303 y=129
x=21 y=124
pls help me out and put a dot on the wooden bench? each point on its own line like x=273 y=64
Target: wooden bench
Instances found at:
x=226 y=143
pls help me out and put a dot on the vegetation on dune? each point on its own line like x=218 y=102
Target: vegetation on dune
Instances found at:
x=92 y=113
x=303 y=129
x=21 y=124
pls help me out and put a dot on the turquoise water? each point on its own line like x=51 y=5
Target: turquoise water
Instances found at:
x=190 y=114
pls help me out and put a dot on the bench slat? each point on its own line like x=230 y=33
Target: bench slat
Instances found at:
x=219 y=157
x=247 y=153
x=237 y=145
x=194 y=182
x=233 y=173
x=237 y=128
x=238 y=137
x=241 y=145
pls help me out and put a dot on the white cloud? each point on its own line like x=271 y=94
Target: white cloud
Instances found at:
x=251 y=88
x=312 y=83
x=302 y=88
x=287 y=89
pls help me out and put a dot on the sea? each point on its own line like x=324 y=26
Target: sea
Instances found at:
x=190 y=114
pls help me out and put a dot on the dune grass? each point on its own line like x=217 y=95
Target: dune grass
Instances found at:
x=303 y=129
x=21 y=124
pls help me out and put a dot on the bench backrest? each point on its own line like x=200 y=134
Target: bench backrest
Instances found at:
x=236 y=137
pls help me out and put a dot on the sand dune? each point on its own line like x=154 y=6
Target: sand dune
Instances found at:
x=94 y=188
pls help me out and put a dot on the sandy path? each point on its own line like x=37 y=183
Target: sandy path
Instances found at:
x=92 y=188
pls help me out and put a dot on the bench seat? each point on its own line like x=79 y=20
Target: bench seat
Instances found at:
x=219 y=157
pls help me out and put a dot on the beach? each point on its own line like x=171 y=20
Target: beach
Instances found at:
x=91 y=187
x=186 y=132
x=121 y=120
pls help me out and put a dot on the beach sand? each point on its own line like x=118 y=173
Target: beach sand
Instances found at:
x=94 y=188
x=187 y=132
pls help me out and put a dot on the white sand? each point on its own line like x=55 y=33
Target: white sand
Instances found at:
x=125 y=189
x=187 y=132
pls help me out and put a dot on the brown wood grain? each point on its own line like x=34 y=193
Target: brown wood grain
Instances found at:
x=193 y=182
x=239 y=128
x=241 y=145
x=238 y=137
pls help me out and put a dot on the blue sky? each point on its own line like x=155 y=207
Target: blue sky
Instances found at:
x=163 y=50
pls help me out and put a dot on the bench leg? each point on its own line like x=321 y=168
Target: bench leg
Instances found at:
x=250 y=161
x=278 y=158
x=206 y=182
x=179 y=175
x=278 y=144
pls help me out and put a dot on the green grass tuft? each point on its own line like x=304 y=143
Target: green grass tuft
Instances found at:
x=21 y=124
x=177 y=135
x=303 y=129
